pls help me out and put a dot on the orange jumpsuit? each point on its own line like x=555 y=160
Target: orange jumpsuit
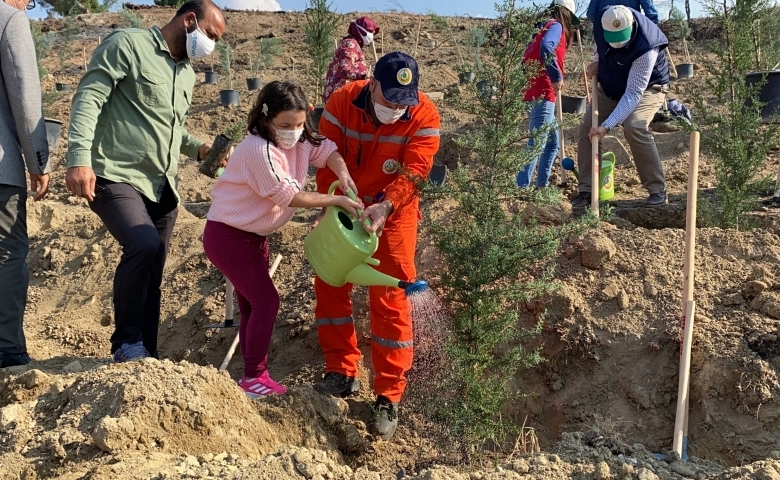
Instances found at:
x=379 y=160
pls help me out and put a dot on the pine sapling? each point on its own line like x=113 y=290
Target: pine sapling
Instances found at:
x=319 y=32
x=64 y=49
x=734 y=134
x=225 y=58
x=268 y=49
x=497 y=257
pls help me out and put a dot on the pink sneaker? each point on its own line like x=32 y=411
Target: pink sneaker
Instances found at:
x=261 y=386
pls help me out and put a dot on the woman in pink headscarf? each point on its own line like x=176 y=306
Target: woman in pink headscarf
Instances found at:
x=349 y=63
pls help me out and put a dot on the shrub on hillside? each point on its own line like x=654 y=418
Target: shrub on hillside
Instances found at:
x=733 y=134
x=497 y=256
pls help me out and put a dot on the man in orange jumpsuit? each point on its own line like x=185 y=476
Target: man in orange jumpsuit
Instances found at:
x=388 y=132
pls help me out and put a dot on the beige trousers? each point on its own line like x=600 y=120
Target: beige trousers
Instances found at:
x=638 y=136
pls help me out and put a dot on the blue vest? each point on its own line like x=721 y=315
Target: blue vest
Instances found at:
x=615 y=63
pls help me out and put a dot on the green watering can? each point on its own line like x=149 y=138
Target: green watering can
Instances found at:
x=339 y=250
x=607 y=174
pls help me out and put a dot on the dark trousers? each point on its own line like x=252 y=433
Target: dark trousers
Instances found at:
x=143 y=229
x=14 y=275
x=243 y=258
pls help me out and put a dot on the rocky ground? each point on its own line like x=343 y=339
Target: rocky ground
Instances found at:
x=600 y=406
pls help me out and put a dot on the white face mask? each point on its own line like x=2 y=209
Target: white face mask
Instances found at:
x=618 y=45
x=287 y=139
x=198 y=43
x=367 y=36
x=388 y=115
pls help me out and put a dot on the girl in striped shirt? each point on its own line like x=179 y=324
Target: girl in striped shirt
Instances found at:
x=259 y=191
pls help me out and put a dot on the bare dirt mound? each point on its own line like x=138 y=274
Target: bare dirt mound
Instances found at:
x=612 y=340
x=60 y=418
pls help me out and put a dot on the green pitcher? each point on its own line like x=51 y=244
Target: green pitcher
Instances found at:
x=607 y=177
x=339 y=250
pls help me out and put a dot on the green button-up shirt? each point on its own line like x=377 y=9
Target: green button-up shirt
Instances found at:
x=128 y=112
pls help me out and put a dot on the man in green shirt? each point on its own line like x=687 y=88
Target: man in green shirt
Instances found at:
x=126 y=135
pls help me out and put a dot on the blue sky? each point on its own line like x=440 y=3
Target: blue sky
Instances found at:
x=442 y=7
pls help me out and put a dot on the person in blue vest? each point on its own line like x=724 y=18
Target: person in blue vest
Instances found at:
x=633 y=77
x=596 y=6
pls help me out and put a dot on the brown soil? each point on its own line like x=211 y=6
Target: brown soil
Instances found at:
x=604 y=398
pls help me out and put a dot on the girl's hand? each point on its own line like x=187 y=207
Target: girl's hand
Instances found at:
x=349 y=205
x=346 y=183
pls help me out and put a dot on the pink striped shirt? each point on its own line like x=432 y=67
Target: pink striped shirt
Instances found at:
x=254 y=192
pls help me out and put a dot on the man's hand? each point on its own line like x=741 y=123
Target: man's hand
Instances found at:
x=592 y=69
x=204 y=149
x=557 y=86
x=378 y=214
x=599 y=132
x=40 y=185
x=80 y=181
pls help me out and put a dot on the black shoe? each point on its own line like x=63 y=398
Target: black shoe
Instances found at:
x=656 y=199
x=581 y=201
x=385 y=417
x=337 y=384
x=14 y=359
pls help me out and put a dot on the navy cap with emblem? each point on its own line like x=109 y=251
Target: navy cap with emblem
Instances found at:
x=398 y=76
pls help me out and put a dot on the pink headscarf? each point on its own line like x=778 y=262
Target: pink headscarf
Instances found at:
x=366 y=24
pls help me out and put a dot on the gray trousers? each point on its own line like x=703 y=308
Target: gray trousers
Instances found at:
x=14 y=275
x=638 y=136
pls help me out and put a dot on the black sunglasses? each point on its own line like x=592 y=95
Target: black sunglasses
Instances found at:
x=31 y=5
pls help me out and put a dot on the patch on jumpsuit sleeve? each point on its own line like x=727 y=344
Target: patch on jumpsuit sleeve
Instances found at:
x=391 y=166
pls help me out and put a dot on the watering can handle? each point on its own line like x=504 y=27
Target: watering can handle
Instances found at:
x=350 y=194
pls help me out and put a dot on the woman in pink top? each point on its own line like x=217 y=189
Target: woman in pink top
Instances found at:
x=258 y=193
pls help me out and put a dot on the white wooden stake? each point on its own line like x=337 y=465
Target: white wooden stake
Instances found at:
x=681 y=421
x=680 y=433
x=671 y=62
x=229 y=305
x=559 y=109
x=229 y=300
x=594 y=148
x=584 y=67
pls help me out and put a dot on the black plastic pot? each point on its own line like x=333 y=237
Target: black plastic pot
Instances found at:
x=228 y=98
x=574 y=105
x=438 y=174
x=254 y=83
x=217 y=153
x=769 y=93
x=485 y=89
x=62 y=87
x=315 y=116
x=211 y=77
x=684 y=70
x=466 y=77
x=53 y=130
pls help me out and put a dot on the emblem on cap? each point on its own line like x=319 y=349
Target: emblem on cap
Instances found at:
x=391 y=166
x=616 y=23
x=404 y=76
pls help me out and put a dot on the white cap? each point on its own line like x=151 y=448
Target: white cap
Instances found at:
x=570 y=6
x=617 y=22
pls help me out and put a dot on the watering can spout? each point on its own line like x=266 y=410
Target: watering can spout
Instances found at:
x=367 y=276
